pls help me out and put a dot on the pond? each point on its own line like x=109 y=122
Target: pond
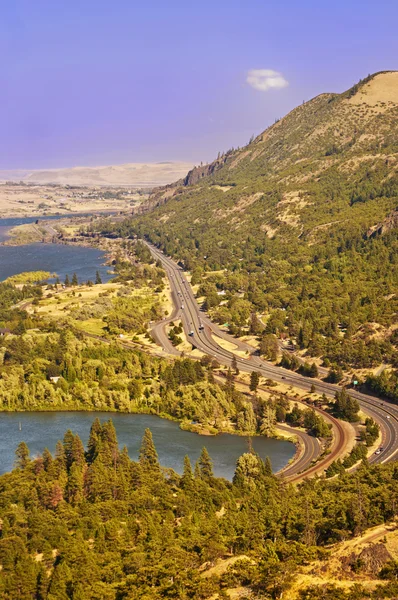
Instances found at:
x=44 y=429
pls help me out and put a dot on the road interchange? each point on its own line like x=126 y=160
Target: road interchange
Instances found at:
x=200 y=330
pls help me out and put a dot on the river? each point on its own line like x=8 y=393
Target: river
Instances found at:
x=56 y=258
x=44 y=429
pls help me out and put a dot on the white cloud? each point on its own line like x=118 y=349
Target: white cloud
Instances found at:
x=266 y=79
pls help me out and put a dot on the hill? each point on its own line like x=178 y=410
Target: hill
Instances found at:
x=137 y=175
x=305 y=218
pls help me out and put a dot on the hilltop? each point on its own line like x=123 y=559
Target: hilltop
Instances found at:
x=305 y=217
x=333 y=138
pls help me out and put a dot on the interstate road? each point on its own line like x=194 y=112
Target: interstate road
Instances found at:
x=194 y=320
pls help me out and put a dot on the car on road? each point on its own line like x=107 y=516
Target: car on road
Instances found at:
x=191 y=333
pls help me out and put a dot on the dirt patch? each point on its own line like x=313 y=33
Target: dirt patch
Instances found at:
x=221 y=565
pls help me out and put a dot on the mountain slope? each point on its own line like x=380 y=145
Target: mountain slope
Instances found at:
x=315 y=156
x=305 y=216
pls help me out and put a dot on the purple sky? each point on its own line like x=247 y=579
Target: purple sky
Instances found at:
x=90 y=82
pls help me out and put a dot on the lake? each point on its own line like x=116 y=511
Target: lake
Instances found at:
x=56 y=258
x=44 y=429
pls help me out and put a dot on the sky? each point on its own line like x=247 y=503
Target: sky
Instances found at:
x=87 y=82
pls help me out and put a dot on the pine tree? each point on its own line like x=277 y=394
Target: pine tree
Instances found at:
x=254 y=381
x=60 y=578
x=187 y=476
x=109 y=450
x=42 y=584
x=74 y=487
x=205 y=465
x=234 y=365
x=68 y=448
x=67 y=281
x=148 y=457
x=21 y=456
x=74 y=280
x=267 y=469
x=98 y=278
x=47 y=459
x=196 y=473
x=78 y=451
x=313 y=371
x=94 y=441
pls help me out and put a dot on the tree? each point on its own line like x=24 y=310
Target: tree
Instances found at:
x=345 y=407
x=269 y=346
x=98 y=278
x=187 y=475
x=60 y=578
x=248 y=470
x=205 y=465
x=47 y=459
x=74 y=280
x=68 y=447
x=78 y=451
x=74 y=487
x=148 y=457
x=21 y=456
x=255 y=326
x=94 y=441
x=234 y=365
x=267 y=467
x=254 y=381
x=67 y=281
x=335 y=374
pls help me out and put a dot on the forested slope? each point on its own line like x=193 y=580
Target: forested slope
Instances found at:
x=304 y=219
x=95 y=525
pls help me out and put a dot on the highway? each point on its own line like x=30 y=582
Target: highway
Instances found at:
x=200 y=331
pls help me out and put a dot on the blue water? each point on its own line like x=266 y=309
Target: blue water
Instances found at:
x=44 y=429
x=56 y=258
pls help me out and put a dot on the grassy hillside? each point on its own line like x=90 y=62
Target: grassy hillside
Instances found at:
x=304 y=218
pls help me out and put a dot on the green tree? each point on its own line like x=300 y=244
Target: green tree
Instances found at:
x=205 y=465
x=94 y=441
x=345 y=407
x=98 y=278
x=187 y=475
x=148 y=457
x=22 y=454
x=234 y=365
x=254 y=381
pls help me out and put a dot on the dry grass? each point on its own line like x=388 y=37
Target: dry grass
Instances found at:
x=379 y=93
x=335 y=569
x=228 y=346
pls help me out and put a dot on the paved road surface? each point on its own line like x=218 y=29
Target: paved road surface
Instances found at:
x=202 y=329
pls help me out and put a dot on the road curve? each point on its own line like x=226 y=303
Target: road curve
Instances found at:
x=200 y=329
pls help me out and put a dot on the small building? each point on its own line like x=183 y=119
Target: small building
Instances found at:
x=4 y=331
x=55 y=379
